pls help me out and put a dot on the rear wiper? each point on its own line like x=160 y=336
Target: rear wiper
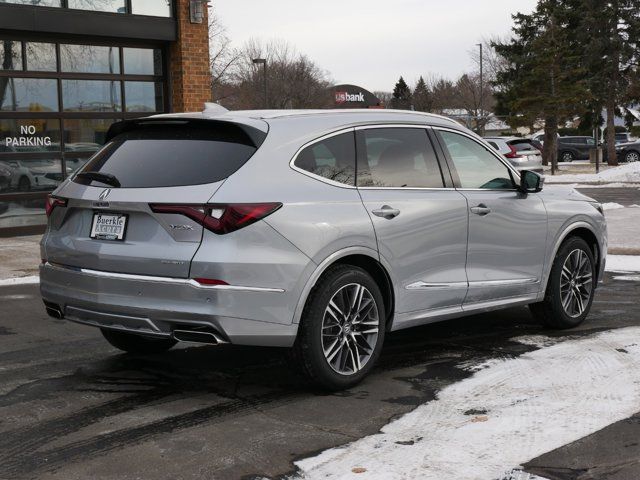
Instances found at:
x=105 y=178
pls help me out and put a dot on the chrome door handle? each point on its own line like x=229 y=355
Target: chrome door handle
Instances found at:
x=481 y=210
x=386 y=212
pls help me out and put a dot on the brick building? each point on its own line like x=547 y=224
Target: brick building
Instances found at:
x=70 y=68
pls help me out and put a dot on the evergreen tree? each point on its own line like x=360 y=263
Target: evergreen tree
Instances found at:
x=401 y=95
x=422 y=98
x=545 y=76
x=610 y=41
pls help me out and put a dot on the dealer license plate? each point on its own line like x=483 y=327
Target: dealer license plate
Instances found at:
x=108 y=226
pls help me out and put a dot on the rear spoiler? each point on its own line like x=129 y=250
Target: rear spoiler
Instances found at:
x=255 y=133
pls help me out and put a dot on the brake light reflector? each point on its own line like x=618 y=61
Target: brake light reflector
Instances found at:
x=219 y=218
x=513 y=153
x=53 y=202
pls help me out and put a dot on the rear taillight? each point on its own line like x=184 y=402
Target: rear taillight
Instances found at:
x=221 y=219
x=53 y=202
x=513 y=153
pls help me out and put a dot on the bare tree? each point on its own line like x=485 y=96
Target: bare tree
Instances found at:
x=293 y=80
x=492 y=62
x=384 y=97
x=477 y=105
x=224 y=58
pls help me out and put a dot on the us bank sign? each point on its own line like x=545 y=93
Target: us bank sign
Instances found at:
x=344 y=97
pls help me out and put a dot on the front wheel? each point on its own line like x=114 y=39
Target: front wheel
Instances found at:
x=132 y=343
x=570 y=288
x=342 y=328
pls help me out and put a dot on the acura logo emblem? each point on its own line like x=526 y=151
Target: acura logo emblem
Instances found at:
x=105 y=193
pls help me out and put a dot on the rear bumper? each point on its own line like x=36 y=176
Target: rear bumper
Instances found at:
x=156 y=306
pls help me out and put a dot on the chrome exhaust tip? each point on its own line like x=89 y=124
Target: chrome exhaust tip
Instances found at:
x=53 y=310
x=197 y=336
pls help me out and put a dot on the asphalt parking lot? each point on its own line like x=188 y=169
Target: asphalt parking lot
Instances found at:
x=72 y=407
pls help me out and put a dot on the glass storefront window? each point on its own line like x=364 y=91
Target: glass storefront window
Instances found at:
x=142 y=61
x=91 y=96
x=28 y=95
x=41 y=57
x=114 y=6
x=39 y=175
x=41 y=3
x=155 y=8
x=85 y=135
x=143 y=96
x=89 y=59
x=22 y=213
x=29 y=135
x=10 y=55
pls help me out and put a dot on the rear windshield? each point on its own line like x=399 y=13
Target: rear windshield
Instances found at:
x=172 y=155
x=521 y=145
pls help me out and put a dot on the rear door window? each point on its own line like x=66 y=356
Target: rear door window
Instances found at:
x=398 y=158
x=173 y=155
x=333 y=158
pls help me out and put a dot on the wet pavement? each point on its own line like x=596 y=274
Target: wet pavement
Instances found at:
x=72 y=407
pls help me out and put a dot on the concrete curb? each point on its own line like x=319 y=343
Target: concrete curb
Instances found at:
x=623 y=251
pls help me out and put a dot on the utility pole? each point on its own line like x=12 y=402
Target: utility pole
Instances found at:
x=481 y=92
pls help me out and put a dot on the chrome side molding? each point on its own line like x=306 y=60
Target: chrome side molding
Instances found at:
x=170 y=280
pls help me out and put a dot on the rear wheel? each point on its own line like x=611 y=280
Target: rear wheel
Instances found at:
x=570 y=288
x=567 y=157
x=632 y=156
x=342 y=329
x=132 y=343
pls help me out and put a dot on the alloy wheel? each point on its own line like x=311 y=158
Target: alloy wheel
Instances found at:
x=567 y=157
x=576 y=283
x=632 y=157
x=350 y=329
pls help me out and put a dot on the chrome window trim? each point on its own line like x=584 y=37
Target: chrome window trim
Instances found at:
x=154 y=279
x=313 y=175
x=510 y=167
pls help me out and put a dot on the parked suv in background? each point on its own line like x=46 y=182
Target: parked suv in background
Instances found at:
x=522 y=153
x=315 y=230
x=574 y=148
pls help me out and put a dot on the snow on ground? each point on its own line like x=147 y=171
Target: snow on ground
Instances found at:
x=628 y=173
x=501 y=417
x=611 y=206
x=623 y=263
x=19 y=281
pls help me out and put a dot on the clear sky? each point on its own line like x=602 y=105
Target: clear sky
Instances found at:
x=372 y=42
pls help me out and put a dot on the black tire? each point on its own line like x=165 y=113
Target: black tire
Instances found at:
x=308 y=352
x=132 y=343
x=567 y=156
x=632 y=156
x=551 y=312
x=24 y=184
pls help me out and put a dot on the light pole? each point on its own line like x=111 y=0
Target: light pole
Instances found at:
x=263 y=61
x=481 y=89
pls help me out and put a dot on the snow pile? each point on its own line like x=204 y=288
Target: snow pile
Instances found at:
x=628 y=173
x=612 y=206
x=623 y=263
x=503 y=416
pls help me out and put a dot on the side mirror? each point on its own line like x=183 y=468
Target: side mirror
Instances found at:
x=530 y=182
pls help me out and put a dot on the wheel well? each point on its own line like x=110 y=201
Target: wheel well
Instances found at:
x=379 y=274
x=589 y=237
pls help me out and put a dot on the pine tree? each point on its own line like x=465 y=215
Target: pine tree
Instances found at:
x=610 y=40
x=401 y=95
x=545 y=78
x=422 y=98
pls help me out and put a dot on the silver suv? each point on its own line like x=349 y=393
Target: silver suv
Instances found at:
x=315 y=230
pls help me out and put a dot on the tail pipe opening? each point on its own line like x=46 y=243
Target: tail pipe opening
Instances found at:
x=197 y=336
x=53 y=310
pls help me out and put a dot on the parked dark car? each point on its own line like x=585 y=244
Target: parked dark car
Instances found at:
x=628 y=152
x=623 y=137
x=574 y=148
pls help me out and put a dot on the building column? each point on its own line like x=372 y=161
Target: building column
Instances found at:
x=189 y=69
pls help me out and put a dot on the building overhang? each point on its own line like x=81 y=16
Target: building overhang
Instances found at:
x=24 y=19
